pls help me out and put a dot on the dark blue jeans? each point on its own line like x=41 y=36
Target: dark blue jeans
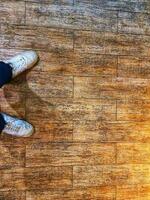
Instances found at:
x=5 y=77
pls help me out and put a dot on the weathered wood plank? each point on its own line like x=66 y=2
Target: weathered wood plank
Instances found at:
x=116 y=88
x=92 y=193
x=136 y=23
x=142 y=6
x=49 y=131
x=89 y=42
x=112 y=43
x=133 y=153
x=70 y=109
x=86 y=17
x=57 y=2
x=36 y=178
x=12 y=12
x=110 y=175
x=46 y=85
x=11 y=156
x=77 y=64
x=133 y=110
x=12 y=102
x=127 y=44
x=46 y=154
x=31 y=37
x=70 y=63
x=13 y=195
x=93 y=131
x=134 y=67
x=133 y=192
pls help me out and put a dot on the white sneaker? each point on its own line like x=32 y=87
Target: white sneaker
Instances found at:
x=22 y=62
x=17 y=127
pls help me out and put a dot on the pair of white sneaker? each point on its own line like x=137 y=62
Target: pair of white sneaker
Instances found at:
x=19 y=64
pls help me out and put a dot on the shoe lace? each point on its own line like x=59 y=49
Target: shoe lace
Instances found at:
x=21 y=61
x=12 y=127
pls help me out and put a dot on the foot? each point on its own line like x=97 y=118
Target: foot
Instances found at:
x=17 y=127
x=22 y=62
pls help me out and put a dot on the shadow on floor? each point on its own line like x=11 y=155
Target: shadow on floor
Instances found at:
x=18 y=90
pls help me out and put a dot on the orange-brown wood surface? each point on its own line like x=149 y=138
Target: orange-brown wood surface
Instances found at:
x=88 y=98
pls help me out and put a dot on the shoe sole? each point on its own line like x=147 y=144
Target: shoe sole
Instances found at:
x=27 y=135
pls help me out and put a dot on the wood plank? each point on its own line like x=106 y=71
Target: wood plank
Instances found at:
x=12 y=102
x=133 y=192
x=89 y=42
x=13 y=195
x=70 y=63
x=136 y=23
x=47 y=131
x=92 y=193
x=112 y=43
x=31 y=37
x=88 y=176
x=62 y=154
x=70 y=109
x=133 y=67
x=11 y=156
x=12 y=12
x=123 y=5
x=117 y=131
x=46 y=85
x=50 y=131
x=133 y=110
x=107 y=87
x=127 y=44
x=57 y=2
x=133 y=153
x=36 y=178
x=77 y=64
x=86 y=17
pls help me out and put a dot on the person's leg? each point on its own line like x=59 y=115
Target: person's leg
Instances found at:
x=5 y=73
x=2 y=123
x=5 y=77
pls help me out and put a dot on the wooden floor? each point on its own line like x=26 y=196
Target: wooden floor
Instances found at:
x=88 y=98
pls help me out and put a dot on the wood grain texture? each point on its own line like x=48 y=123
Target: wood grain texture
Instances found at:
x=87 y=176
x=69 y=109
x=142 y=6
x=112 y=43
x=88 y=99
x=133 y=110
x=133 y=67
x=56 y=2
x=52 y=131
x=11 y=195
x=12 y=156
x=31 y=37
x=12 y=12
x=31 y=178
x=134 y=192
x=13 y=103
x=68 y=63
x=91 y=193
x=73 y=17
x=76 y=64
x=120 y=88
x=49 y=86
x=136 y=23
x=133 y=153
x=111 y=131
x=69 y=154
